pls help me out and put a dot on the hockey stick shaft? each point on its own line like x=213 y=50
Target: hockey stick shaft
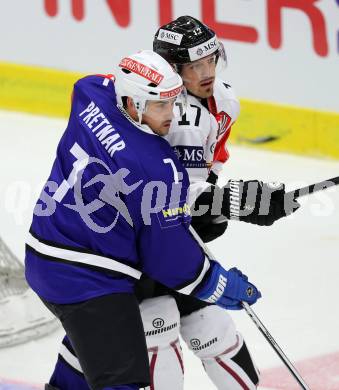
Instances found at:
x=312 y=188
x=274 y=345
x=257 y=322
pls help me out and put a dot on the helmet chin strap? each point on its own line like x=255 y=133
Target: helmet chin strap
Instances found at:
x=140 y=106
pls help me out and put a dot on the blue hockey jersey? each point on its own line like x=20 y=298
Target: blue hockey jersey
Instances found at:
x=114 y=207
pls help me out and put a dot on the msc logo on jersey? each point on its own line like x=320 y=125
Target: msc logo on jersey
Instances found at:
x=191 y=156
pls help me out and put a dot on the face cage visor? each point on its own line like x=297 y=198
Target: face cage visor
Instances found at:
x=166 y=108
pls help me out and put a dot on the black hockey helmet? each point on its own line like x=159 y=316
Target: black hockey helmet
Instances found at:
x=184 y=40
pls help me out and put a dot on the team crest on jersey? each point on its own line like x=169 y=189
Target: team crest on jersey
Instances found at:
x=190 y=156
x=224 y=121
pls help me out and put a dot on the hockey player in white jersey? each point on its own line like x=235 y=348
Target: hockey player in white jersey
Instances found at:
x=199 y=138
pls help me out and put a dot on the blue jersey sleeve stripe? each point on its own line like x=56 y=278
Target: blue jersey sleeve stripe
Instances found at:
x=114 y=274
x=81 y=258
x=77 y=249
x=71 y=248
x=189 y=288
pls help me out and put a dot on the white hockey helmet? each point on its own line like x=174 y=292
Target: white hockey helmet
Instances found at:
x=145 y=76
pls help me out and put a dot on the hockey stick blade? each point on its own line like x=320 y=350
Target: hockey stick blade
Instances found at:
x=257 y=322
x=275 y=346
x=316 y=187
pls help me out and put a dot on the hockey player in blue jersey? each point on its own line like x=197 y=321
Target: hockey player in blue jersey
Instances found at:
x=114 y=207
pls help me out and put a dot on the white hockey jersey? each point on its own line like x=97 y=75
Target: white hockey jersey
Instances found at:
x=193 y=137
x=199 y=136
x=225 y=107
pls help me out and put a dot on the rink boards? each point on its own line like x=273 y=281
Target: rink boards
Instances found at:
x=263 y=125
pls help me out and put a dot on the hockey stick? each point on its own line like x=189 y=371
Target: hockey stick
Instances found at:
x=257 y=322
x=312 y=188
x=274 y=345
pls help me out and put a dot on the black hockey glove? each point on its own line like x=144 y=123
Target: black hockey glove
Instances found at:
x=212 y=178
x=209 y=226
x=209 y=229
x=257 y=202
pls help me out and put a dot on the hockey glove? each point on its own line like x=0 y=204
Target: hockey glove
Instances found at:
x=227 y=289
x=212 y=178
x=257 y=202
x=211 y=228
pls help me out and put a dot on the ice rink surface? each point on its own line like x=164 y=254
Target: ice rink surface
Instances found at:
x=295 y=263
